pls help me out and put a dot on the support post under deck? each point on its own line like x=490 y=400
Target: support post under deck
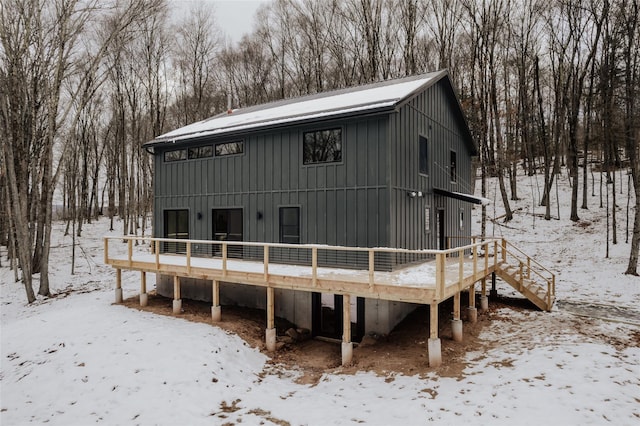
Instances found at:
x=177 y=301
x=216 y=310
x=434 y=349
x=456 y=323
x=270 y=333
x=118 y=285
x=473 y=312
x=494 y=292
x=484 y=300
x=143 y=289
x=347 y=344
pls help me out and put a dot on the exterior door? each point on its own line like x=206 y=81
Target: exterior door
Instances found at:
x=176 y=226
x=227 y=226
x=327 y=316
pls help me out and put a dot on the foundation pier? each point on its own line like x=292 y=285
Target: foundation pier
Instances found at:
x=143 y=289
x=216 y=310
x=433 y=345
x=118 y=285
x=270 y=333
x=177 y=301
x=347 y=344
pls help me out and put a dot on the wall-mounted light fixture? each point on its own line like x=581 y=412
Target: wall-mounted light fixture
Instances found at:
x=259 y=215
x=414 y=194
x=199 y=216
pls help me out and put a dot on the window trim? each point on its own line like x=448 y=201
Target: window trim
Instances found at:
x=323 y=163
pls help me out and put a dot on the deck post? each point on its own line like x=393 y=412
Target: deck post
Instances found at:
x=106 y=251
x=433 y=345
x=347 y=344
x=270 y=333
x=216 y=310
x=473 y=312
x=456 y=323
x=118 y=285
x=143 y=289
x=157 y=253
x=484 y=300
x=177 y=301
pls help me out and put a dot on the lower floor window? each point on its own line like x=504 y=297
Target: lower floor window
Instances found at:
x=290 y=225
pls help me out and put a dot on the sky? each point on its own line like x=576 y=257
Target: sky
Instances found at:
x=235 y=17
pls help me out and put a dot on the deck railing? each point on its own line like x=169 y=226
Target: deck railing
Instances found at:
x=373 y=260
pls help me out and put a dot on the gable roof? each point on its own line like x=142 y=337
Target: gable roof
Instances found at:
x=366 y=99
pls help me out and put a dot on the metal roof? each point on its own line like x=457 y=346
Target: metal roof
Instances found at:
x=370 y=98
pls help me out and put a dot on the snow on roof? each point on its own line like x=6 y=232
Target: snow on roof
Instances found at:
x=365 y=98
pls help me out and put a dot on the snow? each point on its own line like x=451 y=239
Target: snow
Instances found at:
x=76 y=358
x=335 y=103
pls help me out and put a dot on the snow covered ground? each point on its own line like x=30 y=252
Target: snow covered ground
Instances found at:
x=77 y=359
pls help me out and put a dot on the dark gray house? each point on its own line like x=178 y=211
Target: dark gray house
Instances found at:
x=381 y=165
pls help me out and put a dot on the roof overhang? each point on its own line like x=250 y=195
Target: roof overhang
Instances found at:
x=463 y=197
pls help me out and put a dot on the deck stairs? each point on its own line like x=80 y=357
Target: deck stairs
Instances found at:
x=530 y=278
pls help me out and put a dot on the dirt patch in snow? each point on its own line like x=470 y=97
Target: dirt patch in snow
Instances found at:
x=403 y=351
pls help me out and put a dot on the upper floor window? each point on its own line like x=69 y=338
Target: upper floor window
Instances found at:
x=322 y=146
x=200 y=152
x=175 y=155
x=424 y=156
x=453 y=166
x=229 y=148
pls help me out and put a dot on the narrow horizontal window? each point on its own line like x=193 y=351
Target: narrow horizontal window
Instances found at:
x=201 y=152
x=229 y=148
x=322 y=146
x=175 y=155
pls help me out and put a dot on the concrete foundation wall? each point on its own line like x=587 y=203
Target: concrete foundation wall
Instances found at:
x=294 y=306
x=381 y=316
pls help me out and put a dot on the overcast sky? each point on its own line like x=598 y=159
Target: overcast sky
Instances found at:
x=235 y=17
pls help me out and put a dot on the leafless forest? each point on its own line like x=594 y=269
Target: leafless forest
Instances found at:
x=547 y=86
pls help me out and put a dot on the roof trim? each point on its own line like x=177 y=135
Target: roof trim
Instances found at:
x=463 y=197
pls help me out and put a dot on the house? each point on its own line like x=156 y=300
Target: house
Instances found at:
x=387 y=164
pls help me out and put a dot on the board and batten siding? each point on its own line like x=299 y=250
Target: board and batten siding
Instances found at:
x=345 y=203
x=431 y=114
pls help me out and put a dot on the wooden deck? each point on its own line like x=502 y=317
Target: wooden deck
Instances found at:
x=416 y=276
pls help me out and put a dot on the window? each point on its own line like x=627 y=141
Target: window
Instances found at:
x=200 y=152
x=290 y=225
x=424 y=164
x=175 y=155
x=452 y=167
x=461 y=218
x=322 y=146
x=176 y=226
x=229 y=148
